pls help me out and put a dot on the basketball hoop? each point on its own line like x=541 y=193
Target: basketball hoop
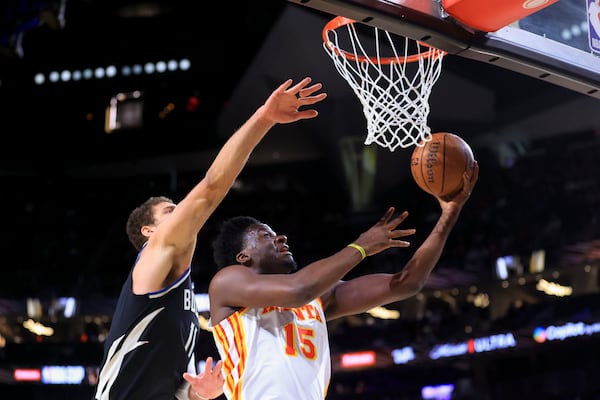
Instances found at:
x=393 y=85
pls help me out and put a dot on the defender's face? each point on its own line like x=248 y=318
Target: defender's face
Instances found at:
x=162 y=211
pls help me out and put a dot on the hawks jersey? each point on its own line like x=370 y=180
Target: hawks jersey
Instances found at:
x=275 y=353
x=150 y=343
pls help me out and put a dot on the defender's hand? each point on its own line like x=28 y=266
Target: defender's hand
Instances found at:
x=209 y=383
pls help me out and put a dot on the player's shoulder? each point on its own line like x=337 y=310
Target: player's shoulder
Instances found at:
x=235 y=271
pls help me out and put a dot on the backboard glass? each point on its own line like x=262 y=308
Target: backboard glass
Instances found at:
x=559 y=43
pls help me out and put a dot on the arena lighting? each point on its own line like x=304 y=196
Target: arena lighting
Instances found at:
x=149 y=68
x=193 y=103
x=384 y=313
x=125 y=111
x=39 y=79
x=63 y=307
x=482 y=300
x=27 y=374
x=37 y=328
x=437 y=392
x=137 y=69
x=508 y=266
x=99 y=73
x=88 y=74
x=537 y=261
x=161 y=66
x=65 y=76
x=553 y=289
x=185 y=64
x=172 y=65
x=34 y=308
x=61 y=374
x=476 y=345
x=359 y=359
x=403 y=355
x=53 y=76
x=562 y=332
x=111 y=71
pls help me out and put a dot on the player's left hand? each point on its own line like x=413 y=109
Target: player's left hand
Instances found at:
x=209 y=383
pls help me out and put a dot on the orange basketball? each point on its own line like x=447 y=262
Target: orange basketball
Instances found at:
x=438 y=166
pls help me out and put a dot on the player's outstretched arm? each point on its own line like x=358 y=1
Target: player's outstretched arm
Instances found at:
x=284 y=105
x=170 y=248
x=368 y=291
x=426 y=257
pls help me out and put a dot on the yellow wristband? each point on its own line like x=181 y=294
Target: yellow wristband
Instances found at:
x=198 y=396
x=362 y=251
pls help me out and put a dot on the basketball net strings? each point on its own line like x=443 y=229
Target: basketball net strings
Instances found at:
x=395 y=104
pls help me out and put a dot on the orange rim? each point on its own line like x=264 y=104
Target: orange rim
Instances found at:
x=341 y=21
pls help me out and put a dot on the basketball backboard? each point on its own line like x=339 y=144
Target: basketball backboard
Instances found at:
x=558 y=43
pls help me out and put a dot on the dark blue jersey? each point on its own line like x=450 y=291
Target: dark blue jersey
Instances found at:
x=150 y=344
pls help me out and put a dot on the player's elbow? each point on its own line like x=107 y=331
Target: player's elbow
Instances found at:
x=406 y=287
x=412 y=289
x=218 y=180
x=301 y=294
x=208 y=194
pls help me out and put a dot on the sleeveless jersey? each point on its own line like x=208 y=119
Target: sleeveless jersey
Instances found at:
x=150 y=344
x=275 y=353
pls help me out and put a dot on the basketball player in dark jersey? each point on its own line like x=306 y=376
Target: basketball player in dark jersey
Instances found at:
x=149 y=351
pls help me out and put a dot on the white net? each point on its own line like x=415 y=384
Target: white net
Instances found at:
x=393 y=88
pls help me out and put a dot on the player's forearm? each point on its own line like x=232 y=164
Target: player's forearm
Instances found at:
x=203 y=199
x=419 y=267
x=234 y=154
x=319 y=276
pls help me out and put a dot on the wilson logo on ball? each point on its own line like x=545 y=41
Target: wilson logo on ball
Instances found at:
x=437 y=167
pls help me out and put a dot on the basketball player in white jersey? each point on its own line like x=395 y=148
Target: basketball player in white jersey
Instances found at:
x=269 y=317
x=149 y=351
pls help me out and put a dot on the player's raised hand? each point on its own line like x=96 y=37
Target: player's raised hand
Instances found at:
x=283 y=106
x=384 y=234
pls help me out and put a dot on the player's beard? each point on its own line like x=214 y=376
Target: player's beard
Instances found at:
x=293 y=265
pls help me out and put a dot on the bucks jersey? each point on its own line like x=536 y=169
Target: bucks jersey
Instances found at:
x=150 y=344
x=275 y=353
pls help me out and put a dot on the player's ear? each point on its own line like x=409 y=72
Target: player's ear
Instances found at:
x=242 y=257
x=147 y=230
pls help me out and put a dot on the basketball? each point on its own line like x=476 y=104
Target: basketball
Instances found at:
x=438 y=166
